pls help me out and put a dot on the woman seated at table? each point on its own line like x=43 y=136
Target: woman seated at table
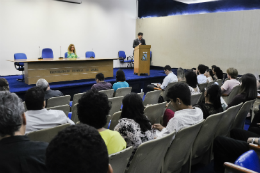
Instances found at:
x=72 y=51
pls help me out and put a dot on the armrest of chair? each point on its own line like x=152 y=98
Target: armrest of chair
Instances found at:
x=230 y=168
x=157 y=88
x=224 y=95
x=256 y=148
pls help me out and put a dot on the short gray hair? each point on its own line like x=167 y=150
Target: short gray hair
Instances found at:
x=11 y=110
x=43 y=84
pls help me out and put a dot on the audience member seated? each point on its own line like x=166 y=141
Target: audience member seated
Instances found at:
x=218 y=73
x=4 y=85
x=212 y=103
x=93 y=109
x=201 y=70
x=213 y=67
x=227 y=87
x=37 y=116
x=43 y=84
x=101 y=84
x=18 y=153
x=192 y=81
x=185 y=114
x=180 y=74
x=194 y=70
x=120 y=80
x=80 y=149
x=229 y=149
x=209 y=75
x=134 y=126
x=247 y=92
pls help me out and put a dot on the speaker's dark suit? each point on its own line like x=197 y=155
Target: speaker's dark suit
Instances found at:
x=136 y=42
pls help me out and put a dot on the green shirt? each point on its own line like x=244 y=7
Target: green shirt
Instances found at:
x=72 y=55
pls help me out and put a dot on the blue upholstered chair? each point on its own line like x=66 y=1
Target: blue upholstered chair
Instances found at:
x=123 y=59
x=47 y=53
x=19 y=65
x=90 y=54
x=66 y=55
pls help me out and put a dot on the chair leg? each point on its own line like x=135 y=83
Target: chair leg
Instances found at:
x=21 y=80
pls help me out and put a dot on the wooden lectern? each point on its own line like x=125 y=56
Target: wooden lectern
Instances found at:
x=142 y=59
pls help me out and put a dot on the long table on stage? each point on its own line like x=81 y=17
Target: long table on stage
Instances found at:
x=57 y=70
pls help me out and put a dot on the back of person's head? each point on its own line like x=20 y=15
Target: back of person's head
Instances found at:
x=100 y=77
x=4 y=85
x=180 y=73
x=180 y=91
x=218 y=72
x=248 y=86
x=43 y=84
x=232 y=72
x=133 y=108
x=120 y=76
x=34 y=98
x=191 y=79
x=11 y=111
x=202 y=68
x=213 y=67
x=93 y=109
x=193 y=69
x=213 y=93
x=167 y=67
x=78 y=148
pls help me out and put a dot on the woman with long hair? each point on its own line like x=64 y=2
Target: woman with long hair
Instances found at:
x=192 y=81
x=248 y=90
x=134 y=126
x=72 y=51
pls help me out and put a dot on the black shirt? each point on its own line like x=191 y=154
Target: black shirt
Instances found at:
x=52 y=93
x=208 y=109
x=20 y=155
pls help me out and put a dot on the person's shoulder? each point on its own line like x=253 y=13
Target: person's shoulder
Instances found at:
x=39 y=145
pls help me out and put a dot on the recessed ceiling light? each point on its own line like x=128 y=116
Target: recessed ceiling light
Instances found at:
x=195 y=1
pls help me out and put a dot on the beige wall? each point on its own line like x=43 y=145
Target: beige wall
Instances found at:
x=230 y=39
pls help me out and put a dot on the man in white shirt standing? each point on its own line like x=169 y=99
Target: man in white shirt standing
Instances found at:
x=201 y=77
x=37 y=116
x=171 y=77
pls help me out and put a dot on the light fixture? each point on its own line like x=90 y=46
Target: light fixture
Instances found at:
x=71 y=1
x=195 y=1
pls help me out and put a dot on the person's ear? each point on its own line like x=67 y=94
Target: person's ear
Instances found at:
x=24 y=119
x=178 y=101
x=110 y=169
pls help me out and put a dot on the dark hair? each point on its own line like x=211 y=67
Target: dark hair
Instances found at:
x=133 y=108
x=214 y=93
x=213 y=66
x=202 y=68
x=100 y=77
x=193 y=69
x=120 y=75
x=4 y=85
x=219 y=72
x=167 y=67
x=34 y=98
x=11 y=110
x=211 y=73
x=248 y=86
x=78 y=148
x=191 y=79
x=93 y=109
x=181 y=91
x=140 y=33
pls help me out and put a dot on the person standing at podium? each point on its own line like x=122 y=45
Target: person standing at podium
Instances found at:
x=72 y=51
x=139 y=40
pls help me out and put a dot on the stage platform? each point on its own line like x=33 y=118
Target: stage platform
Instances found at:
x=72 y=87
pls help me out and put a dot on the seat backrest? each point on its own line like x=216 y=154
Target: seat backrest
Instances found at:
x=141 y=95
x=121 y=54
x=149 y=155
x=119 y=160
x=155 y=112
x=123 y=91
x=90 y=54
x=151 y=55
x=76 y=98
x=210 y=83
x=109 y=92
x=58 y=101
x=64 y=108
x=202 y=87
x=166 y=90
x=219 y=81
x=206 y=135
x=233 y=93
x=47 y=53
x=227 y=120
x=152 y=97
x=180 y=149
x=18 y=56
x=195 y=98
x=114 y=120
x=116 y=103
x=74 y=116
x=240 y=118
x=66 y=55
x=249 y=160
x=46 y=135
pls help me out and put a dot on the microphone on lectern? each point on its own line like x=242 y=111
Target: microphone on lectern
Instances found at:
x=60 y=54
x=40 y=53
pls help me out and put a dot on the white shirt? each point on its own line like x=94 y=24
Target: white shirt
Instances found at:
x=202 y=79
x=194 y=91
x=183 y=118
x=209 y=79
x=169 y=79
x=44 y=119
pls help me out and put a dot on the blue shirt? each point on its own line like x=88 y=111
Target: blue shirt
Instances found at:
x=120 y=85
